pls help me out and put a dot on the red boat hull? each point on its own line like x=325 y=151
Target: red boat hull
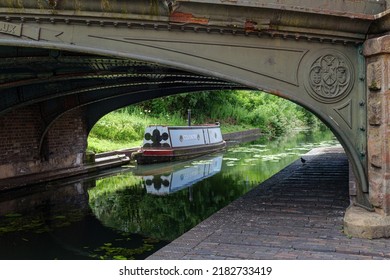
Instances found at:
x=156 y=155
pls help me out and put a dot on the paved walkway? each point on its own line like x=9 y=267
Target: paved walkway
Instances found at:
x=297 y=214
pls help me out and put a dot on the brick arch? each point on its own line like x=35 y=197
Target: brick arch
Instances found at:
x=64 y=141
x=20 y=136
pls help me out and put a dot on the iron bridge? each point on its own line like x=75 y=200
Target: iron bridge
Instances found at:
x=92 y=57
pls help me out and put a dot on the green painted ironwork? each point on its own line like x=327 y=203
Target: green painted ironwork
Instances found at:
x=307 y=52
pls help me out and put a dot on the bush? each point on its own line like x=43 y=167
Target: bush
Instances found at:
x=115 y=126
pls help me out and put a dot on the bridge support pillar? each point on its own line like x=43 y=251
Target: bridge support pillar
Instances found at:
x=359 y=222
x=23 y=154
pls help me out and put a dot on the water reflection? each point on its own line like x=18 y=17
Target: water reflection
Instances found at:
x=55 y=204
x=56 y=222
x=184 y=175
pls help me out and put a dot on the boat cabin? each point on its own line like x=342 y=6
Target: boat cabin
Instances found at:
x=169 y=143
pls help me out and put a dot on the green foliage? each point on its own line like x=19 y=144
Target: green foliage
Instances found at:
x=273 y=115
x=235 y=110
x=116 y=126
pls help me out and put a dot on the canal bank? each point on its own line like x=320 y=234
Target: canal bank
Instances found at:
x=296 y=214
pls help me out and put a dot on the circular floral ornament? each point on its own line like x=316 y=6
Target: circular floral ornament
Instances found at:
x=330 y=77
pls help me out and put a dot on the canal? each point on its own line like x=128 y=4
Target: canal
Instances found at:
x=131 y=212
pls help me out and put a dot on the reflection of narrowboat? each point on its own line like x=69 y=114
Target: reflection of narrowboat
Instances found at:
x=169 y=143
x=182 y=176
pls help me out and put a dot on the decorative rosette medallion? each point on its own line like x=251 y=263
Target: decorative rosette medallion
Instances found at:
x=330 y=77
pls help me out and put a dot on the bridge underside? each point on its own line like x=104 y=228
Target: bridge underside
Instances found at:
x=51 y=99
x=64 y=64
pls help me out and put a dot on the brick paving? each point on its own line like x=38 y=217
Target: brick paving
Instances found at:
x=296 y=214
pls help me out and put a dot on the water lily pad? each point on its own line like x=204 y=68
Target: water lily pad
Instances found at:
x=119 y=258
x=300 y=149
x=259 y=145
x=201 y=162
x=231 y=159
x=3 y=229
x=59 y=217
x=13 y=215
x=271 y=158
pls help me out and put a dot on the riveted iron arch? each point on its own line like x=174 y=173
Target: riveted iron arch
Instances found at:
x=67 y=81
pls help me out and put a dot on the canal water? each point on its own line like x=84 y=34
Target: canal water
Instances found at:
x=132 y=212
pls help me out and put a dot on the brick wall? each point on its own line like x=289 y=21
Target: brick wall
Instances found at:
x=68 y=137
x=377 y=52
x=20 y=134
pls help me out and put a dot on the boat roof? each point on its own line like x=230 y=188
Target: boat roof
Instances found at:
x=185 y=127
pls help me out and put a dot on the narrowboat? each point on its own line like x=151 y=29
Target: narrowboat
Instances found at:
x=170 y=143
